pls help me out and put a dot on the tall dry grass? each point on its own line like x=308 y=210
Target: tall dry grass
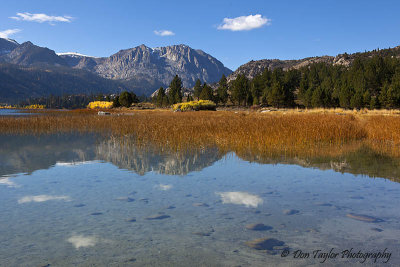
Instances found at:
x=273 y=133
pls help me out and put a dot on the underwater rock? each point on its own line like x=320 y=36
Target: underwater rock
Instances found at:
x=264 y=243
x=200 y=204
x=363 y=218
x=125 y=199
x=323 y=204
x=157 y=217
x=356 y=197
x=290 y=212
x=258 y=227
x=145 y=200
x=203 y=233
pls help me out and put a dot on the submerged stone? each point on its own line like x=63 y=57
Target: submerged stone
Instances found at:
x=157 y=217
x=357 y=197
x=125 y=199
x=264 y=243
x=258 y=227
x=363 y=218
x=323 y=204
x=290 y=212
x=202 y=233
x=200 y=204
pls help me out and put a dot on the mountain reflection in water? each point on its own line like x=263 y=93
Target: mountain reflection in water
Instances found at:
x=28 y=153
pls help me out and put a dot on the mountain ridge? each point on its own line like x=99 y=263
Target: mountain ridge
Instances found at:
x=255 y=67
x=141 y=68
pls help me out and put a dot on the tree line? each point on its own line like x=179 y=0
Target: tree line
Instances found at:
x=369 y=82
x=125 y=99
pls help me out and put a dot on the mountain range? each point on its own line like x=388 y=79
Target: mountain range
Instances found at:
x=28 y=70
x=140 y=69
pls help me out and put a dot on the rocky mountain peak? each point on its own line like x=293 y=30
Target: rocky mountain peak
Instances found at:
x=29 y=54
x=7 y=45
x=140 y=68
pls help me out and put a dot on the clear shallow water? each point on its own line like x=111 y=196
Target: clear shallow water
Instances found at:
x=79 y=200
x=12 y=112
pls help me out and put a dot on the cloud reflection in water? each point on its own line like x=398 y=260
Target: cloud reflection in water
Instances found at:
x=79 y=241
x=164 y=187
x=42 y=198
x=240 y=198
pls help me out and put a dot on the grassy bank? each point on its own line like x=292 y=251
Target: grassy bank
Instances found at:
x=291 y=133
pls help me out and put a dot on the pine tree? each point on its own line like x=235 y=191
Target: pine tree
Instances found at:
x=206 y=92
x=189 y=98
x=256 y=86
x=175 y=91
x=116 y=102
x=197 y=89
x=222 y=90
x=125 y=99
x=160 y=97
x=276 y=96
x=240 y=89
x=317 y=98
x=366 y=99
x=356 y=100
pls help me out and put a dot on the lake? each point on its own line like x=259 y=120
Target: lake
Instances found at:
x=13 y=112
x=85 y=199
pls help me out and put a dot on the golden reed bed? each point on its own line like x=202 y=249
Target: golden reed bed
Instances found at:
x=274 y=133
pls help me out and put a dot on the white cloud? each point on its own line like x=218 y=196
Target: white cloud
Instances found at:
x=240 y=198
x=244 y=23
x=40 y=17
x=7 y=33
x=164 y=33
x=42 y=198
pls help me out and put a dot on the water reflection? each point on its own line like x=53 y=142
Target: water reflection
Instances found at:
x=81 y=241
x=127 y=154
x=28 y=153
x=82 y=207
x=42 y=198
x=240 y=198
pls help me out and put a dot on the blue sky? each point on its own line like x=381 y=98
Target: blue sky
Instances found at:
x=234 y=32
